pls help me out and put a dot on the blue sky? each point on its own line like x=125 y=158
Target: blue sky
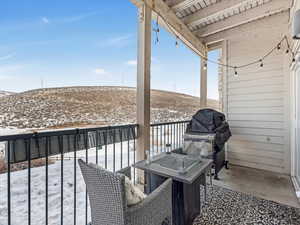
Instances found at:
x=76 y=42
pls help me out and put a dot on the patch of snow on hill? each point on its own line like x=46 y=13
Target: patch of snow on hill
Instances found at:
x=5 y=93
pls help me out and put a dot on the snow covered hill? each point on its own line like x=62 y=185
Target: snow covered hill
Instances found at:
x=83 y=106
x=5 y=93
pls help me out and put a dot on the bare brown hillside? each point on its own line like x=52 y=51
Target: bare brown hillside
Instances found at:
x=80 y=106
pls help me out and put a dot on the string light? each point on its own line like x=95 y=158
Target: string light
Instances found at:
x=261 y=63
x=235 y=72
x=205 y=65
x=278 y=47
x=156 y=30
x=176 y=43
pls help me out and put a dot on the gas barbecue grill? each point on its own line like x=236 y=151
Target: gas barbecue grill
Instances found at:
x=206 y=135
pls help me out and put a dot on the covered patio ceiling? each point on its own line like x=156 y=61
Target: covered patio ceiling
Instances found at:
x=194 y=20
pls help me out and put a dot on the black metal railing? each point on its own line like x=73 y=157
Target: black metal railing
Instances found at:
x=42 y=184
x=166 y=136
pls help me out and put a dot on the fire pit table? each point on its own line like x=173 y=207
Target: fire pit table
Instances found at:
x=187 y=174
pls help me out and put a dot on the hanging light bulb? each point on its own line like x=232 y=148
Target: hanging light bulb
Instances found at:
x=261 y=63
x=287 y=51
x=279 y=46
x=156 y=30
x=205 y=65
x=294 y=59
x=235 y=72
x=176 y=43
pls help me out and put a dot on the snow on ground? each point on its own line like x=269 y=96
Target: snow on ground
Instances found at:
x=19 y=189
x=19 y=186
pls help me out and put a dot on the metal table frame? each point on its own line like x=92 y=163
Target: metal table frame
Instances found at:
x=186 y=187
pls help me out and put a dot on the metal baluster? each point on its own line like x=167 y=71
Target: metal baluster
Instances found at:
x=121 y=140
x=160 y=138
x=47 y=173
x=60 y=144
x=105 y=140
x=156 y=128
x=165 y=141
x=133 y=154
x=177 y=129
x=152 y=137
x=86 y=159
x=8 y=183
x=178 y=134
x=114 y=150
x=128 y=147
x=37 y=144
x=169 y=134
x=75 y=172
x=97 y=146
x=181 y=135
x=28 y=151
x=174 y=134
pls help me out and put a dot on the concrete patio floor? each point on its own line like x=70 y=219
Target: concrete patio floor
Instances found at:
x=263 y=184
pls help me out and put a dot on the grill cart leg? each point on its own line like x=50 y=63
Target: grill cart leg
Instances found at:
x=226 y=165
x=216 y=177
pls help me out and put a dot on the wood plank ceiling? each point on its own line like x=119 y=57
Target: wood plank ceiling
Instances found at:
x=207 y=17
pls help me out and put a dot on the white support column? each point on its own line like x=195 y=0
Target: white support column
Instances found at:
x=143 y=81
x=203 y=83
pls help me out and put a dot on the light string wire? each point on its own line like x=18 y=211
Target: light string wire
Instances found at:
x=258 y=61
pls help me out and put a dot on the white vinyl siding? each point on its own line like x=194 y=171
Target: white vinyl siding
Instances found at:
x=256 y=103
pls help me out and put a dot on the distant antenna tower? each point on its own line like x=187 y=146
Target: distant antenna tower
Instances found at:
x=122 y=78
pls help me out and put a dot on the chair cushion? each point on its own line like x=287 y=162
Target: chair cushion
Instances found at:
x=133 y=194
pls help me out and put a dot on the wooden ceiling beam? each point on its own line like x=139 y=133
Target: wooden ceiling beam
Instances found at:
x=177 y=26
x=214 y=10
x=269 y=9
x=184 y=4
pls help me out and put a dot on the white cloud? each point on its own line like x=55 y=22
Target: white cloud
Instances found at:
x=5 y=57
x=10 y=68
x=100 y=71
x=3 y=77
x=153 y=59
x=131 y=63
x=118 y=42
x=9 y=72
x=45 y=20
x=134 y=62
x=76 y=18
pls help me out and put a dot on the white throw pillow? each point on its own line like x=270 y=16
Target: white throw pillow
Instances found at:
x=133 y=194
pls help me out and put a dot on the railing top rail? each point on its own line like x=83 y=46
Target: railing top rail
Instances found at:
x=59 y=132
x=74 y=131
x=169 y=123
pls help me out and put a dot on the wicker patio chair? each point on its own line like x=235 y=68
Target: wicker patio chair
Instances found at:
x=106 y=192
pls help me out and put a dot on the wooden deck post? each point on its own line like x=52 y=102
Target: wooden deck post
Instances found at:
x=203 y=83
x=143 y=83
